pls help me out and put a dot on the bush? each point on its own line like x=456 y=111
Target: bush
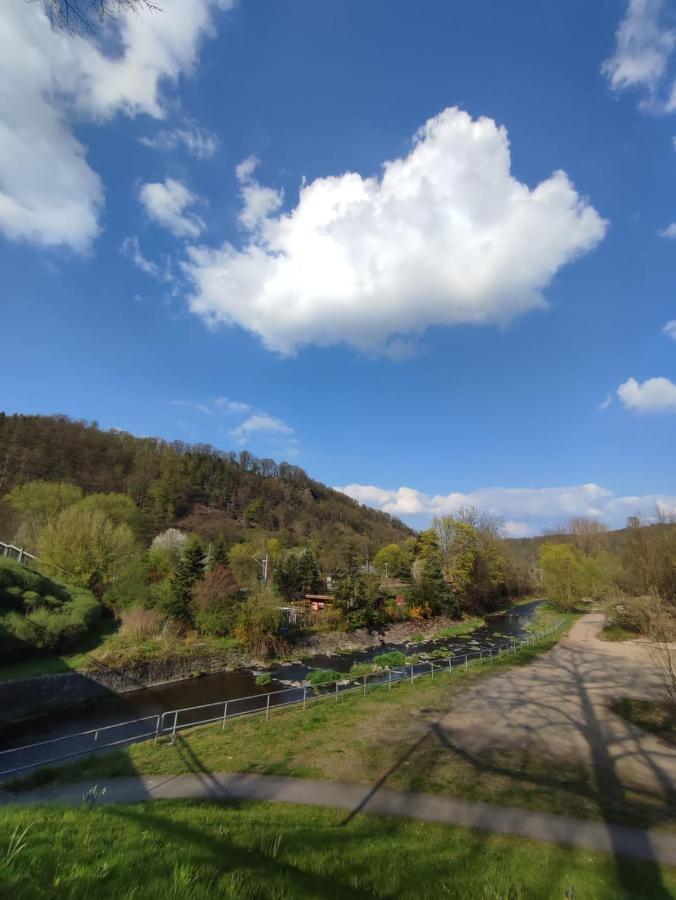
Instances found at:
x=387 y=660
x=214 y=624
x=31 y=600
x=324 y=676
x=140 y=624
x=263 y=679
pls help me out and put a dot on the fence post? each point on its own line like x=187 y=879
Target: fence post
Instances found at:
x=336 y=691
x=225 y=714
x=389 y=679
x=157 y=731
x=267 y=708
x=465 y=662
x=96 y=737
x=364 y=685
x=304 y=694
x=432 y=669
x=173 y=733
x=450 y=665
x=411 y=673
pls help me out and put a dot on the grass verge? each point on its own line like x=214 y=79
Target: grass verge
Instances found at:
x=653 y=716
x=192 y=849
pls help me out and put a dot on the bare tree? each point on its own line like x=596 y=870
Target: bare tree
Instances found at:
x=587 y=534
x=81 y=16
x=661 y=634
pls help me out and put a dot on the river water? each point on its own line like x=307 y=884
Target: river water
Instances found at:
x=219 y=688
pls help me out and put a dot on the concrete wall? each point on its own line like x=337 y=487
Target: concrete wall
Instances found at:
x=32 y=696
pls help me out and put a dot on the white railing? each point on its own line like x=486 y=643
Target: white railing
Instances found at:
x=15 y=760
x=17 y=553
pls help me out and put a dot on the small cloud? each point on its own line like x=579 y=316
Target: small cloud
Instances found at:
x=131 y=248
x=606 y=403
x=167 y=202
x=655 y=395
x=232 y=406
x=197 y=141
x=669 y=231
x=670 y=329
x=260 y=422
x=245 y=169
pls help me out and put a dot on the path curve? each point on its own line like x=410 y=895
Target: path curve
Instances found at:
x=559 y=707
x=563 y=830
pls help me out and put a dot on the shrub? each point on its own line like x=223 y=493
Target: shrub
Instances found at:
x=324 y=676
x=31 y=600
x=360 y=669
x=264 y=678
x=387 y=660
x=140 y=624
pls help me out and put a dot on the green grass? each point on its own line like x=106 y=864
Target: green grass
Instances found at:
x=612 y=632
x=546 y=616
x=114 y=650
x=461 y=628
x=97 y=638
x=653 y=716
x=189 y=850
x=386 y=734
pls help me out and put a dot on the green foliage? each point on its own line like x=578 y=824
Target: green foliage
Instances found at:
x=259 y=622
x=189 y=570
x=390 y=659
x=39 y=502
x=89 y=549
x=198 y=489
x=216 y=601
x=563 y=575
x=393 y=561
x=324 y=676
x=119 y=509
x=296 y=573
x=46 y=617
x=263 y=678
x=242 y=562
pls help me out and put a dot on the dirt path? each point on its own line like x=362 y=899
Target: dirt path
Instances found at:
x=558 y=708
x=354 y=798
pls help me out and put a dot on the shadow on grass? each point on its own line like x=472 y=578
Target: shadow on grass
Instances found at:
x=563 y=700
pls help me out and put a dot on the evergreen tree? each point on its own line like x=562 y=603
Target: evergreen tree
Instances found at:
x=188 y=572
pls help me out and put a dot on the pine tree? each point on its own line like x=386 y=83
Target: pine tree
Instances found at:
x=189 y=570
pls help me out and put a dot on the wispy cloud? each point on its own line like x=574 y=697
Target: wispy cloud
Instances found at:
x=260 y=422
x=197 y=141
x=670 y=329
x=606 y=403
x=253 y=425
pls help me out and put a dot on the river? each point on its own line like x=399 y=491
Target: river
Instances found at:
x=219 y=688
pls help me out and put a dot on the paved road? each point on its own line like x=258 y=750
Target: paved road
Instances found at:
x=633 y=842
x=558 y=708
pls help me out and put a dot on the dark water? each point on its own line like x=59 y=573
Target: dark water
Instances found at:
x=238 y=689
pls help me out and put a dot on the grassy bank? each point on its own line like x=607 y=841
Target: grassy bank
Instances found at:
x=612 y=632
x=183 y=849
x=191 y=850
x=464 y=627
x=389 y=736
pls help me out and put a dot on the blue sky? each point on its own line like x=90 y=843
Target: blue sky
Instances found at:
x=200 y=239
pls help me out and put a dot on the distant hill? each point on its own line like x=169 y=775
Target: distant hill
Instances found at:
x=195 y=487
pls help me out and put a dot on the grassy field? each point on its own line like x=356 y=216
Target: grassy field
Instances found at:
x=386 y=737
x=193 y=850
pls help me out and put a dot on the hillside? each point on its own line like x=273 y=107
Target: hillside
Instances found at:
x=197 y=488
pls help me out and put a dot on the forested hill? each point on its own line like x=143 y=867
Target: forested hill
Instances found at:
x=195 y=487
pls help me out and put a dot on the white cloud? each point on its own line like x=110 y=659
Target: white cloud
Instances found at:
x=260 y=422
x=131 y=248
x=446 y=235
x=258 y=202
x=643 y=50
x=525 y=510
x=606 y=403
x=669 y=231
x=197 y=141
x=670 y=329
x=48 y=193
x=232 y=406
x=167 y=203
x=654 y=395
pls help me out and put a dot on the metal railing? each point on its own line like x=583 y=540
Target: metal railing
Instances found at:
x=15 y=760
x=17 y=553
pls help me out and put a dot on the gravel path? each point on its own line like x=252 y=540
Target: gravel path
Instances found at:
x=559 y=707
